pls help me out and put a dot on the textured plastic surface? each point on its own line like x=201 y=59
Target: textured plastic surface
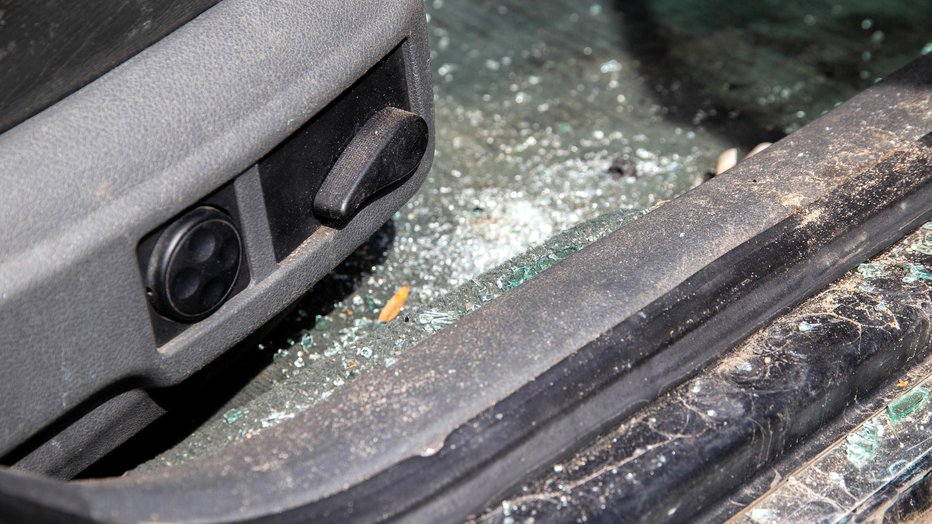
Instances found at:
x=53 y=47
x=148 y=140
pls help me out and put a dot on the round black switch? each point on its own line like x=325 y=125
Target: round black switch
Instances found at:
x=194 y=265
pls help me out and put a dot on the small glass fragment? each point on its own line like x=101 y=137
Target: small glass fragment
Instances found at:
x=862 y=445
x=435 y=320
x=915 y=273
x=307 y=341
x=809 y=326
x=924 y=244
x=906 y=404
x=612 y=66
x=517 y=277
x=763 y=515
x=230 y=417
x=321 y=323
x=274 y=418
x=372 y=304
x=870 y=271
x=522 y=274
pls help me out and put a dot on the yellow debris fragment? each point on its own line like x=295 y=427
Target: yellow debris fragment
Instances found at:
x=394 y=304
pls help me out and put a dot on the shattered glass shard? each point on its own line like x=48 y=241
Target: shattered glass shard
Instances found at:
x=863 y=444
x=809 y=326
x=869 y=271
x=522 y=274
x=906 y=404
x=231 y=416
x=924 y=244
x=915 y=273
